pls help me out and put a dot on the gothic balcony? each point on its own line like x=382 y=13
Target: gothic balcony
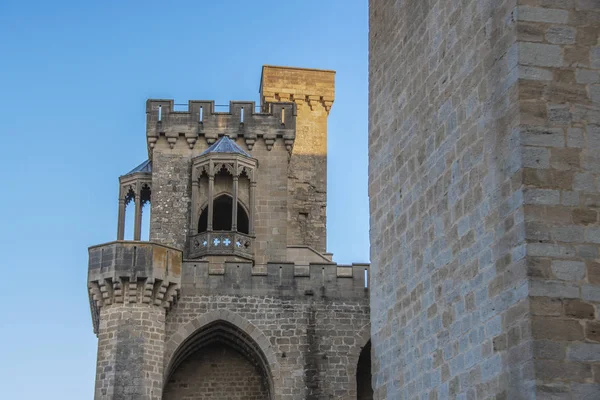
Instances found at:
x=221 y=243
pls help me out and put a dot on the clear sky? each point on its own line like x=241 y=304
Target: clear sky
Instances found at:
x=74 y=78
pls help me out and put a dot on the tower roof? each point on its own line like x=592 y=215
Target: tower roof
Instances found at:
x=225 y=145
x=146 y=166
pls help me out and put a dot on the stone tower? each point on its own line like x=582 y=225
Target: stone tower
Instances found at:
x=484 y=186
x=234 y=296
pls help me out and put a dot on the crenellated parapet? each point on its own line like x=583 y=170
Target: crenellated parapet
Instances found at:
x=201 y=122
x=289 y=280
x=303 y=86
x=133 y=272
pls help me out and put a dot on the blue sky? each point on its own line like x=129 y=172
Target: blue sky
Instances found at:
x=74 y=77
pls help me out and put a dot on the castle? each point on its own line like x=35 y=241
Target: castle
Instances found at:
x=484 y=190
x=234 y=296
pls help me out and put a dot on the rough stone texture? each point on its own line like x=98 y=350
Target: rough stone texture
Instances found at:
x=315 y=344
x=313 y=326
x=263 y=314
x=313 y=93
x=131 y=342
x=483 y=197
x=171 y=193
x=573 y=174
x=216 y=373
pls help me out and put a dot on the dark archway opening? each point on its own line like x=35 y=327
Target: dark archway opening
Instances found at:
x=364 y=390
x=222 y=216
x=219 y=361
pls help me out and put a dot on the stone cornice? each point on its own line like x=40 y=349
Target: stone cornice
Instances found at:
x=125 y=272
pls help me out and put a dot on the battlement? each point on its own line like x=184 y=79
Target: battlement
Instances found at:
x=284 y=280
x=132 y=272
x=201 y=120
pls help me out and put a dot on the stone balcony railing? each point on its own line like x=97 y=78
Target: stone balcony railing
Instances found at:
x=222 y=243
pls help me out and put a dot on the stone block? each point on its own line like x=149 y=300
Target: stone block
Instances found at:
x=558 y=114
x=579 y=309
x=586 y=76
x=534 y=73
x=592 y=331
x=553 y=289
x=586 y=391
x=590 y=293
x=592 y=234
x=569 y=234
x=538 y=14
x=548 y=328
x=575 y=137
x=541 y=136
x=593 y=271
x=561 y=35
x=535 y=157
x=549 y=250
x=570 y=198
x=550 y=371
x=541 y=196
x=549 y=306
x=544 y=349
x=583 y=352
x=585 y=216
x=588 y=5
x=540 y=55
x=584 y=181
x=568 y=270
x=595 y=57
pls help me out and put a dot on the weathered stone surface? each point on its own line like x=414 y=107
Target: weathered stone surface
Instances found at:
x=579 y=309
x=255 y=308
x=437 y=204
x=568 y=270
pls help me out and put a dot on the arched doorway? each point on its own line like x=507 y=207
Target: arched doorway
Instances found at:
x=219 y=361
x=222 y=216
x=364 y=390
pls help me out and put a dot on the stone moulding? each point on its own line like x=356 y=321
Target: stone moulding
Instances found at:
x=133 y=272
x=276 y=279
x=202 y=121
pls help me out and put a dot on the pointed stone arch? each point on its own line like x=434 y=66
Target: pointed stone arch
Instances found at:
x=233 y=330
x=363 y=339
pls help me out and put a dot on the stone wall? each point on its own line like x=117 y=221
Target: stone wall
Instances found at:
x=131 y=340
x=171 y=198
x=313 y=345
x=216 y=372
x=559 y=95
x=313 y=93
x=483 y=198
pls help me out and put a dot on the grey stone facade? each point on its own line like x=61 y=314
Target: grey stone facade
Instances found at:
x=234 y=296
x=483 y=185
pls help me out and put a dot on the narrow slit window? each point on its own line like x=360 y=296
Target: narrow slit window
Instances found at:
x=283 y=116
x=366 y=278
x=200 y=115
x=242 y=115
x=159 y=113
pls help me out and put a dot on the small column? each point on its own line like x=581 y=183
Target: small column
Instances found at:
x=234 y=204
x=121 y=221
x=252 y=202
x=137 y=229
x=194 y=213
x=211 y=188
